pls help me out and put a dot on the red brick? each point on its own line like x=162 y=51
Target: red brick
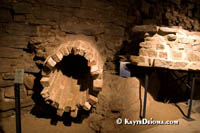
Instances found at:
x=45 y=81
x=50 y=62
x=92 y=100
x=87 y=106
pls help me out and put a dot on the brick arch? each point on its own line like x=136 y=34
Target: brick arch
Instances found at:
x=49 y=74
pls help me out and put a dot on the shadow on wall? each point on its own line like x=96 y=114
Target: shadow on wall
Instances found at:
x=74 y=66
x=1 y=130
x=127 y=48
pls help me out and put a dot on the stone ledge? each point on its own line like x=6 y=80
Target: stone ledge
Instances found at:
x=145 y=28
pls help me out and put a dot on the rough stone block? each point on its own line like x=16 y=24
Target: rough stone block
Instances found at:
x=6 y=53
x=171 y=37
x=21 y=29
x=22 y=7
x=5 y=83
x=185 y=40
x=36 y=40
x=94 y=68
x=74 y=113
x=194 y=66
x=162 y=63
x=193 y=56
x=62 y=51
x=79 y=27
x=5 y=15
x=29 y=80
x=14 y=41
x=69 y=49
x=147 y=52
x=137 y=59
x=145 y=28
x=180 y=65
x=196 y=47
x=50 y=62
x=8 y=76
x=45 y=93
x=176 y=55
x=166 y=30
x=45 y=81
x=57 y=56
x=98 y=83
x=160 y=46
x=9 y=92
x=163 y=55
x=147 y=44
x=87 y=106
x=19 y=18
x=92 y=100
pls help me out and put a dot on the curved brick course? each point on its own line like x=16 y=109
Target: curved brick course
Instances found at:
x=55 y=83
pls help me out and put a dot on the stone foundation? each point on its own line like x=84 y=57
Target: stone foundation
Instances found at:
x=168 y=47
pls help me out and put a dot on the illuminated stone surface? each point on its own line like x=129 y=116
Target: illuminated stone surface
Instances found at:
x=176 y=48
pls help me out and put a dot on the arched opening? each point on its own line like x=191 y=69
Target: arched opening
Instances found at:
x=72 y=78
x=76 y=67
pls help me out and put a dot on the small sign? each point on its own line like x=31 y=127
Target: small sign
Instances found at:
x=19 y=76
x=124 y=71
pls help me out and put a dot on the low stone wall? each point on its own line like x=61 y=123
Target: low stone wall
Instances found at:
x=168 y=47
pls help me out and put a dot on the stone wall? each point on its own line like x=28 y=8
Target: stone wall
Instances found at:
x=30 y=30
x=168 y=47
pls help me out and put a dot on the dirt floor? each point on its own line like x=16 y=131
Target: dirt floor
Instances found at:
x=115 y=101
x=32 y=124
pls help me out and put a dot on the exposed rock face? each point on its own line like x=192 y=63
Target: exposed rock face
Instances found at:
x=173 y=48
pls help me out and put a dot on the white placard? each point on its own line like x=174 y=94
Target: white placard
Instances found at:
x=19 y=76
x=124 y=71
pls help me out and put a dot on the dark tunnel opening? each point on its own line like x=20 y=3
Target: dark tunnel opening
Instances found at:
x=76 y=67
